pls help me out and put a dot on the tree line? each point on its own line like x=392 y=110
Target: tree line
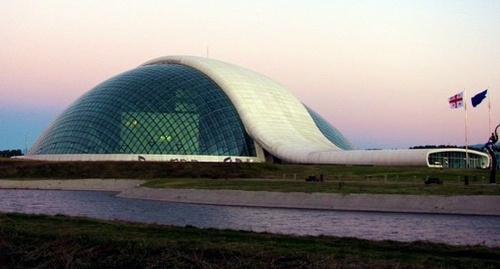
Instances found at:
x=434 y=147
x=495 y=148
x=10 y=153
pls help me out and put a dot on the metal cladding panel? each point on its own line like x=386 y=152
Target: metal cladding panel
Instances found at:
x=409 y=157
x=272 y=116
x=281 y=124
x=371 y=157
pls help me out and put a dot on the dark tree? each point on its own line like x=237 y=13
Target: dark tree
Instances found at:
x=10 y=153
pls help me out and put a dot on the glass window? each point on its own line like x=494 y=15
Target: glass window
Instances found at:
x=153 y=109
x=329 y=131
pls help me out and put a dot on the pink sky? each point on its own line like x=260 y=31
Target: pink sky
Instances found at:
x=380 y=72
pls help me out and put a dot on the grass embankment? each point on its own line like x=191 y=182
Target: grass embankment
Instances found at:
x=346 y=187
x=278 y=177
x=29 y=241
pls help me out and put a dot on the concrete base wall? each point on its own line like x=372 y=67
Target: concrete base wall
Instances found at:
x=470 y=205
x=473 y=205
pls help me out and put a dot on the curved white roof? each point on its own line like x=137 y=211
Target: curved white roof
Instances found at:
x=272 y=116
x=280 y=123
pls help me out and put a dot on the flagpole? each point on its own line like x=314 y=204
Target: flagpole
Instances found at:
x=466 y=144
x=489 y=111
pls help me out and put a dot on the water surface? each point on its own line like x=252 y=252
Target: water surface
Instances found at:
x=449 y=229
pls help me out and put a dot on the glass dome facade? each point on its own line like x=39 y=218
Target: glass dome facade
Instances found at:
x=168 y=109
x=329 y=131
x=188 y=108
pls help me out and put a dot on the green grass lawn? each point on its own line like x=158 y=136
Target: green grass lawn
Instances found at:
x=369 y=186
x=39 y=241
x=263 y=176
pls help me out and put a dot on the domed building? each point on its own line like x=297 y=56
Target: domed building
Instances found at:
x=185 y=108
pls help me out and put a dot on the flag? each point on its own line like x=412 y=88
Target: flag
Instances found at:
x=478 y=98
x=456 y=100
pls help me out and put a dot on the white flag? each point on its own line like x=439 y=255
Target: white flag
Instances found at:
x=456 y=100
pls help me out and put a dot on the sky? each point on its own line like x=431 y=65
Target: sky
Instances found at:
x=379 y=71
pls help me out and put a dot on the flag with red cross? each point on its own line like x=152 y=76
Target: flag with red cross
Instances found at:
x=456 y=100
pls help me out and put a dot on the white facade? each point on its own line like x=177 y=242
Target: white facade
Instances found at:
x=278 y=123
x=281 y=125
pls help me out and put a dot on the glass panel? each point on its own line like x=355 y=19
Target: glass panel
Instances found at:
x=453 y=159
x=329 y=131
x=153 y=109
